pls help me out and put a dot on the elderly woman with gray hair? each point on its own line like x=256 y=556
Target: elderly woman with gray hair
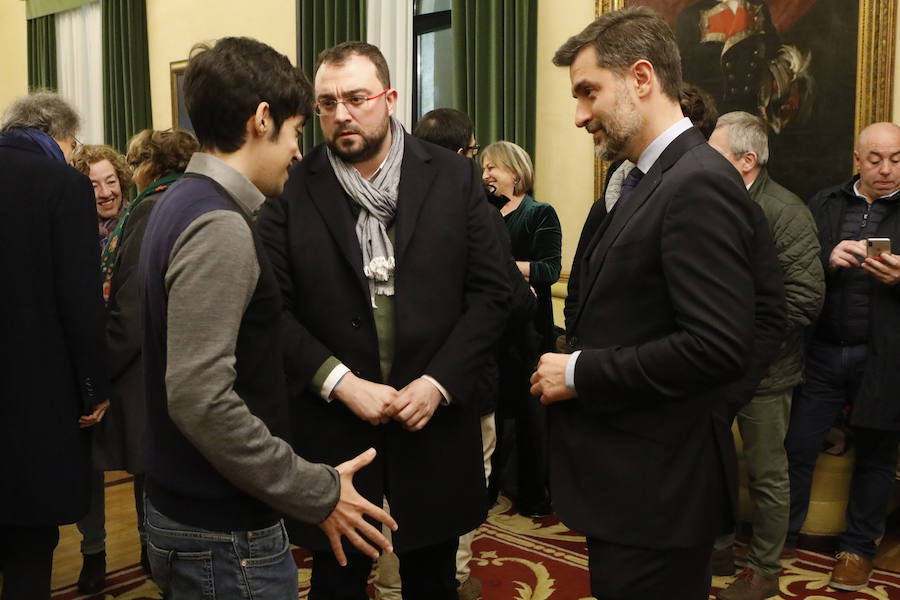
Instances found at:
x=52 y=379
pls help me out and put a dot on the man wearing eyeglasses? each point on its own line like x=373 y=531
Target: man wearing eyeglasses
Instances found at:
x=394 y=293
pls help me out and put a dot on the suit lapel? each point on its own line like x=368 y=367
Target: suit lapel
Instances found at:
x=416 y=176
x=619 y=217
x=610 y=229
x=329 y=198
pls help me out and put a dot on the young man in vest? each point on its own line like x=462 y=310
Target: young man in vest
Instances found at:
x=218 y=476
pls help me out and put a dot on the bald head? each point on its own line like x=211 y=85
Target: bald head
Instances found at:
x=877 y=132
x=877 y=157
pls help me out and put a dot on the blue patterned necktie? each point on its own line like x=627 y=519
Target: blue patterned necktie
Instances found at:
x=628 y=185
x=631 y=182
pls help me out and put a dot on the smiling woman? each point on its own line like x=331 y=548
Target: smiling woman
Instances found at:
x=111 y=177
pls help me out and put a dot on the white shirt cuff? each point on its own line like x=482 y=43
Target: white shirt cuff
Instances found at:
x=570 y=370
x=444 y=393
x=332 y=380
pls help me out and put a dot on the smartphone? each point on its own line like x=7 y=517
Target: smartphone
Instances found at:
x=875 y=247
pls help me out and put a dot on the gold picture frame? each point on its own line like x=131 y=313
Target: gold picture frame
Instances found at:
x=876 y=40
x=180 y=119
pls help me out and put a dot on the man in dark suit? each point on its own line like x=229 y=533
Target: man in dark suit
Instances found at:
x=394 y=294
x=665 y=320
x=52 y=350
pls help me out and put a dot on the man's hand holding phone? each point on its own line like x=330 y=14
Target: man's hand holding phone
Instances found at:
x=847 y=254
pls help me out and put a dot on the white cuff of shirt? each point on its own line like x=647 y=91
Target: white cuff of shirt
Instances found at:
x=444 y=393
x=332 y=380
x=570 y=370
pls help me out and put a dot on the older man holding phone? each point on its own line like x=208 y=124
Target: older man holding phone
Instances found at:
x=855 y=350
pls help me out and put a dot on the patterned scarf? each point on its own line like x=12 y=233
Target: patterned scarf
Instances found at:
x=377 y=200
x=111 y=250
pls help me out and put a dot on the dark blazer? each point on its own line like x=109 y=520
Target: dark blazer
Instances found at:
x=665 y=320
x=451 y=298
x=591 y=224
x=536 y=236
x=52 y=351
x=118 y=439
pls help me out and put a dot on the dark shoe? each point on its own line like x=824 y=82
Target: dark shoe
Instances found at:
x=470 y=589
x=722 y=562
x=851 y=572
x=541 y=509
x=750 y=585
x=145 y=561
x=93 y=573
x=740 y=555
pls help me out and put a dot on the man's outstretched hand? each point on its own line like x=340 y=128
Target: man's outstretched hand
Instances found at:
x=347 y=517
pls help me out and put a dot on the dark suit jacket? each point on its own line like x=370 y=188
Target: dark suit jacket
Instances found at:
x=665 y=320
x=591 y=224
x=451 y=297
x=52 y=351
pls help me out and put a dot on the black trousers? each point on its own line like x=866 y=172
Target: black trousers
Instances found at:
x=26 y=554
x=427 y=573
x=528 y=417
x=618 y=572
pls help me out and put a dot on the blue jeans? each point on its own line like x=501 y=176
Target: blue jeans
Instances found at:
x=833 y=376
x=190 y=562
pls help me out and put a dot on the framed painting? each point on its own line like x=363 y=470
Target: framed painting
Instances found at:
x=180 y=118
x=817 y=71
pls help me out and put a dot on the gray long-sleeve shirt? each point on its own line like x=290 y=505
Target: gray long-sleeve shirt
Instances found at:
x=211 y=277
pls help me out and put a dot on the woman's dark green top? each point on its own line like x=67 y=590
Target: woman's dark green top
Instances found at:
x=536 y=236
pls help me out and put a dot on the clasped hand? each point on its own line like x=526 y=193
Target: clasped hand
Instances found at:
x=548 y=382
x=376 y=403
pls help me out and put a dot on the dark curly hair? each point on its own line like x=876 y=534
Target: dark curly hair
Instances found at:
x=225 y=83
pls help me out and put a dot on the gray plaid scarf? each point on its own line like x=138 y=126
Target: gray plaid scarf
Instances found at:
x=377 y=200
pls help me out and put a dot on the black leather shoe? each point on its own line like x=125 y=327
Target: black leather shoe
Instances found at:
x=93 y=573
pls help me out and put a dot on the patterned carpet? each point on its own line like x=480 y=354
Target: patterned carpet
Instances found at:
x=517 y=558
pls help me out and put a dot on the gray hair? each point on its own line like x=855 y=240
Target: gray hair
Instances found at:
x=43 y=110
x=746 y=133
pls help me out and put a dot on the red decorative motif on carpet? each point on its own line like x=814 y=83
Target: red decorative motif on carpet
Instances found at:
x=517 y=558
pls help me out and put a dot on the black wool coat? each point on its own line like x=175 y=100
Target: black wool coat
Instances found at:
x=52 y=349
x=451 y=303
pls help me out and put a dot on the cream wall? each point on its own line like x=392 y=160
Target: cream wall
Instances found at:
x=564 y=165
x=13 y=59
x=174 y=26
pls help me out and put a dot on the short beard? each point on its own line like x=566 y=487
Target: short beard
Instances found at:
x=370 y=146
x=619 y=129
